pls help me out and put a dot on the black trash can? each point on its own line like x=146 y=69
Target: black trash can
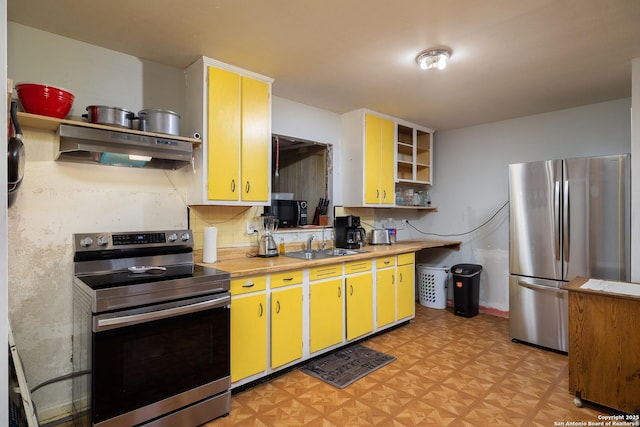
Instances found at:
x=466 y=289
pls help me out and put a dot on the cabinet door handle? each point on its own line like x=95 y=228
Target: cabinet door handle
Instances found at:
x=339 y=291
x=386 y=261
x=278 y=307
x=393 y=279
x=351 y=289
x=247 y=187
x=400 y=277
x=233 y=185
x=248 y=285
x=384 y=194
x=377 y=194
x=261 y=311
x=287 y=279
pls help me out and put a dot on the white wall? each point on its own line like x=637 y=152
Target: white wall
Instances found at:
x=471 y=182
x=96 y=76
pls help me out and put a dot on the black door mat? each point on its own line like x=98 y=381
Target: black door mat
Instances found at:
x=347 y=365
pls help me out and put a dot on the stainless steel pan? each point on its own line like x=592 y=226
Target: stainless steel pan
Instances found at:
x=111 y=116
x=159 y=121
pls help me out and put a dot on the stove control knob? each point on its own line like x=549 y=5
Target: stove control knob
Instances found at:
x=172 y=237
x=103 y=241
x=85 y=242
x=185 y=237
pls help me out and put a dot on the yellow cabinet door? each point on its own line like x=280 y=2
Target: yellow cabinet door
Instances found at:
x=286 y=326
x=406 y=291
x=248 y=336
x=379 y=160
x=326 y=314
x=372 y=125
x=387 y=162
x=385 y=296
x=255 y=167
x=359 y=290
x=223 y=154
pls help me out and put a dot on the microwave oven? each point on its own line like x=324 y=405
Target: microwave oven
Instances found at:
x=290 y=213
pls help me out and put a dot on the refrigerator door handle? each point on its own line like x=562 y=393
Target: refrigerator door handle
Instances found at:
x=565 y=219
x=556 y=219
x=543 y=288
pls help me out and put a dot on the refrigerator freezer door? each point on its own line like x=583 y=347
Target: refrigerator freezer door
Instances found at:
x=596 y=217
x=538 y=312
x=534 y=219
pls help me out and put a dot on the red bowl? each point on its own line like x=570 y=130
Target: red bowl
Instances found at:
x=44 y=100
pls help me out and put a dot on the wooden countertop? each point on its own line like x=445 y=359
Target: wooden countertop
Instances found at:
x=575 y=286
x=242 y=262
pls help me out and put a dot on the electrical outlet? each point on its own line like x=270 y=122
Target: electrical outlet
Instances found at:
x=252 y=228
x=404 y=224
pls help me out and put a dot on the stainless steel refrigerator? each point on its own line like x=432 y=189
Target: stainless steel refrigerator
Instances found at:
x=567 y=218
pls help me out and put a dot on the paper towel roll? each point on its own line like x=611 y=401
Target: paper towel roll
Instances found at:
x=210 y=252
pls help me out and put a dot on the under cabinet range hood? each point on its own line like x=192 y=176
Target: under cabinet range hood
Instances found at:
x=116 y=148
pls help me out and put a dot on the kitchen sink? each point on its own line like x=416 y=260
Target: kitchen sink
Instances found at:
x=323 y=253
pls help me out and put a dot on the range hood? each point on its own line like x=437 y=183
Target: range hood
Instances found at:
x=120 y=148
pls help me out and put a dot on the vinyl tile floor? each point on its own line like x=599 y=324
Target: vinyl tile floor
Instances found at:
x=450 y=371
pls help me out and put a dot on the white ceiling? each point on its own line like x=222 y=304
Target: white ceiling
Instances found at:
x=511 y=58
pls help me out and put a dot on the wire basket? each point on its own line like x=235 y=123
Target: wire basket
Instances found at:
x=432 y=284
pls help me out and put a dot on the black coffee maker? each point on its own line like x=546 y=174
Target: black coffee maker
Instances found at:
x=349 y=233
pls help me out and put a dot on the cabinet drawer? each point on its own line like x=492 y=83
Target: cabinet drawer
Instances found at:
x=325 y=271
x=245 y=285
x=388 y=261
x=404 y=259
x=357 y=266
x=285 y=279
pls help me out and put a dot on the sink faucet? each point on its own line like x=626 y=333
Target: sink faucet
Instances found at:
x=309 y=242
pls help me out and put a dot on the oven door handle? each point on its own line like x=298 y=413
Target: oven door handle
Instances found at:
x=134 y=319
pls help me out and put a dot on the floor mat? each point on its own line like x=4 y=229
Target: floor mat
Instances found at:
x=347 y=365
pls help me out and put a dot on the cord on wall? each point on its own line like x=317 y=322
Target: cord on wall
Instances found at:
x=405 y=221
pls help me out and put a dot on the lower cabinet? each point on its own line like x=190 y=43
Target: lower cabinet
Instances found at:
x=406 y=297
x=248 y=335
x=385 y=291
x=286 y=326
x=292 y=316
x=326 y=314
x=359 y=300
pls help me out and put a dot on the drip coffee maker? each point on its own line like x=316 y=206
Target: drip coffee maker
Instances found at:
x=267 y=245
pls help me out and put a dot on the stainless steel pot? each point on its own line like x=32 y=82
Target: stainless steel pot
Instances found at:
x=112 y=116
x=160 y=121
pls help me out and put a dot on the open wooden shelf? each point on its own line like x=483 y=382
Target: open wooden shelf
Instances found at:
x=51 y=123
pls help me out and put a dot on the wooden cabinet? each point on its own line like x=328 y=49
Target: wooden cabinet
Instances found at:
x=406 y=298
x=359 y=299
x=379 y=168
x=326 y=313
x=385 y=291
x=290 y=316
x=231 y=108
x=604 y=347
x=248 y=327
x=286 y=325
x=384 y=156
x=414 y=154
x=369 y=157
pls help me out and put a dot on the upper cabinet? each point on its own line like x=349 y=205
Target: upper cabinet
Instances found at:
x=385 y=160
x=231 y=108
x=369 y=159
x=414 y=154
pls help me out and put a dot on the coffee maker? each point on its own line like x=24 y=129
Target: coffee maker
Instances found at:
x=349 y=233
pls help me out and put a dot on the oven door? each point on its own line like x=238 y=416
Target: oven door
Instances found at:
x=150 y=361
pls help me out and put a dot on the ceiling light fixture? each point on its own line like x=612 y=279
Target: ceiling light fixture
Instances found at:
x=433 y=58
